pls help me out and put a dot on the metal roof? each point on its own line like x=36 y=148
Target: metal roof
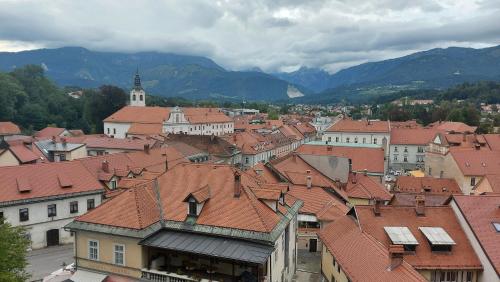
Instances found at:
x=437 y=236
x=401 y=235
x=220 y=247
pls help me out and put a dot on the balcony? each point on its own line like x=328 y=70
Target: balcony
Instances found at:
x=161 y=276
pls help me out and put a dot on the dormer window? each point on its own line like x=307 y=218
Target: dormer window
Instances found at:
x=401 y=235
x=193 y=207
x=496 y=225
x=438 y=238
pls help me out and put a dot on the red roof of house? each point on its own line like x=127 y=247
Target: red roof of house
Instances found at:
x=117 y=143
x=205 y=115
x=462 y=255
x=318 y=202
x=132 y=114
x=480 y=212
x=348 y=125
x=413 y=136
x=145 y=128
x=24 y=154
x=137 y=208
x=48 y=132
x=409 y=199
x=428 y=184
x=43 y=180
x=365 y=187
x=9 y=128
x=477 y=162
x=493 y=141
x=371 y=159
x=452 y=126
x=361 y=257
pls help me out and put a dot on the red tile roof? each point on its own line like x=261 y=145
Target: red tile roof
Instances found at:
x=427 y=184
x=44 y=180
x=131 y=114
x=24 y=154
x=480 y=212
x=365 y=187
x=116 y=143
x=318 y=202
x=361 y=257
x=462 y=255
x=145 y=128
x=348 y=125
x=493 y=141
x=371 y=159
x=452 y=126
x=9 y=128
x=48 y=132
x=205 y=115
x=477 y=162
x=136 y=208
x=409 y=199
x=414 y=136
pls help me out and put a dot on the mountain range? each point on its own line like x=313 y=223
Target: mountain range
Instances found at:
x=163 y=74
x=196 y=77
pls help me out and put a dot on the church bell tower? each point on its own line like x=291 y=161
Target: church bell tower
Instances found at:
x=137 y=94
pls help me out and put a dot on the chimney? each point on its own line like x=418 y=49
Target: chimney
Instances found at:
x=237 y=184
x=294 y=156
x=420 y=205
x=53 y=139
x=64 y=141
x=354 y=178
x=309 y=181
x=146 y=148
x=350 y=165
x=329 y=148
x=396 y=253
x=464 y=135
x=105 y=166
x=376 y=207
x=166 y=163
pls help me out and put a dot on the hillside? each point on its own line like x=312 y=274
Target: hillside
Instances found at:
x=167 y=75
x=432 y=69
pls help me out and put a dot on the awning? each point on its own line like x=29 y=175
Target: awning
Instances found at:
x=227 y=248
x=87 y=276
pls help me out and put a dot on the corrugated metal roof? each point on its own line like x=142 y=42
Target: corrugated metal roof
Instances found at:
x=401 y=235
x=437 y=235
x=213 y=246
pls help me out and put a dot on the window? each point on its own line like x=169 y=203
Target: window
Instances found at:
x=93 y=249
x=141 y=97
x=52 y=210
x=469 y=276
x=406 y=149
x=73 y=207
x=364 y=140
x=246 y=160
x=430 y=171
x=347 y=140
x=405 y=159
x=374 y=140
x=108 y=130
x=1 y=217
x=355 y=139
x=420 y=149
x=119 y=254
x=90 y=204
x=395 y=149
x=336 y=139
x=62 y=157
x=133 y=97
x=329 y=139
x=395 y=157
x=113 y=184
x=192 y=208
x=495 y=224
x=114 y=130
x=24 y=214
x=472 y=181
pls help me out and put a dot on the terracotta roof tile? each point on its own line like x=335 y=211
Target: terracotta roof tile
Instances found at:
x=318 y=202
x=477 y=162
x=409 y=199
x=427 y=184
x=416 y=136
x=348 y=125
x=9 y=128
x=205 y=115
x=145 y=128
x=48 y=132
x=364 y=187
x=480 y=212
x=452 y=126
x=131 y=114
x=361 y=257
x=462 y=255
x=24 y=154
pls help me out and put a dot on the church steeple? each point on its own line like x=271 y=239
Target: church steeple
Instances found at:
x=137 y=94
x=137 y=80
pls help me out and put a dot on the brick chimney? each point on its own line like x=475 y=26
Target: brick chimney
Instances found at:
x=237 y=184
x=294 y=156
x=146 y=148
x=105 y=166
x=396 y=253
x=354 y=177
x=376 y=207
x=420 y=205
x=54 y=139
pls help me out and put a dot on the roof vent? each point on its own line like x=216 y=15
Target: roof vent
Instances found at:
x=64 y=181
x=420 y=205
x=23 y=185
x=105 y=166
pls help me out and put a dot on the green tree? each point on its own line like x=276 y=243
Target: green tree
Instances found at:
x=13 y=246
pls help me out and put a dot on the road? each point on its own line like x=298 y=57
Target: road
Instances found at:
x=44 y=261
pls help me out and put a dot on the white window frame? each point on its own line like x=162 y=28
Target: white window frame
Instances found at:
x=89 y=248
x=114 y=254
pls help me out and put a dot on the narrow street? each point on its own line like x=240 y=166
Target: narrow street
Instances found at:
x=308 y=267
x=44 y=261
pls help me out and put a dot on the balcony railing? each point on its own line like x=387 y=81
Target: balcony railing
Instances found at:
x=160 y=276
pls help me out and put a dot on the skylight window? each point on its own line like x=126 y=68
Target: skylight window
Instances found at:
x=438 y=238
x=402 y=236
x=497 y=226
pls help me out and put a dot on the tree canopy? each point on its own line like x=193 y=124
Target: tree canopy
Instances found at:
x=13 y=246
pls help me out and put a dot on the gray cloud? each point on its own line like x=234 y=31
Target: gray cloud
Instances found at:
x=270 y=34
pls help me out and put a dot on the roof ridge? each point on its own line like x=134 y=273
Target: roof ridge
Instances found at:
x=139 y=215
x=253 y=202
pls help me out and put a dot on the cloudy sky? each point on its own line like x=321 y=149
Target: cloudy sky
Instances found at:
x=275 y=35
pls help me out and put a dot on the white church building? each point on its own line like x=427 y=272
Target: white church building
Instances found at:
x=138 y=119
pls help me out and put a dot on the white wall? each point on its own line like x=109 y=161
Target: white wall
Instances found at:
x=118 y=127
x=276 y=262
x=200 y=129
x=39 y=222
x=350 y=137
x=412 y=156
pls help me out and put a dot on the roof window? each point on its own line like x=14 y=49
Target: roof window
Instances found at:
x=402 y=236
x=438 y=238
x=496 y=225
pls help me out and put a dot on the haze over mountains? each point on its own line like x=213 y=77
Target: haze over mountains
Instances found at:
x=201 y=78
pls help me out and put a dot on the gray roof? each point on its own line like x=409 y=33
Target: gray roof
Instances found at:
x=47 y=146
x=214 y=246
x=330 y=166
